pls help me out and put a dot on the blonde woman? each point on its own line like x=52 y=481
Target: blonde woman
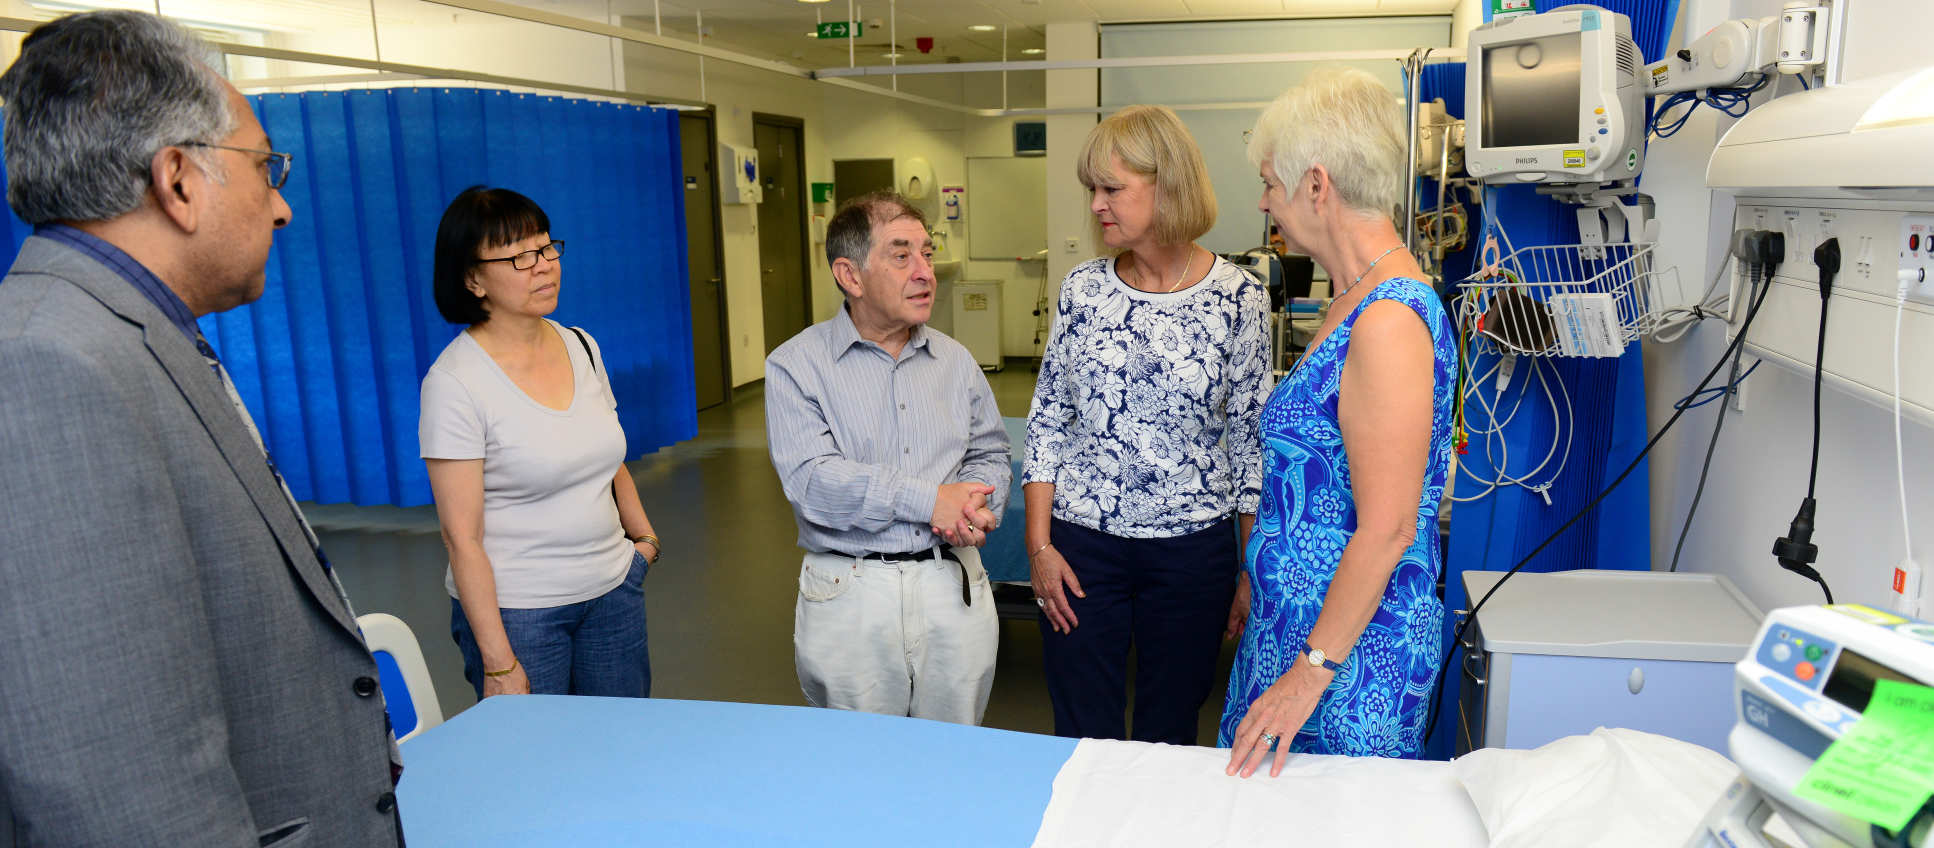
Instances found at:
x=1142 y=457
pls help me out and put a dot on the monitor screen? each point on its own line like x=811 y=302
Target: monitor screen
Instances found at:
x=1531 y=91
x=1852 y=680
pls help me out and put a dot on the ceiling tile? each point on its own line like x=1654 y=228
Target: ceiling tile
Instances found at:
x=1235 y=8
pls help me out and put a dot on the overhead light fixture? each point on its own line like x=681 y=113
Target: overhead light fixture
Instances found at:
x=892 y=55
x=812 y=33
x=812 y=1
x=983 y=27
x=1033 y=51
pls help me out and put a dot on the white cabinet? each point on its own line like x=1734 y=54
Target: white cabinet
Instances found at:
x=1561 y=654
x=976 y=308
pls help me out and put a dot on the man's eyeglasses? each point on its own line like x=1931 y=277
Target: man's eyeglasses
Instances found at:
x=528 y=259
x=279 y=163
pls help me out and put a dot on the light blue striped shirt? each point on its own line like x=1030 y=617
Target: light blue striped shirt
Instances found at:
x=862 y=441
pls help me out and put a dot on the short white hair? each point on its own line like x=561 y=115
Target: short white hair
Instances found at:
x=1345 y=120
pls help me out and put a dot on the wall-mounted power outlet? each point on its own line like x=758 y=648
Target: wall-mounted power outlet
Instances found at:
x=1917 y=256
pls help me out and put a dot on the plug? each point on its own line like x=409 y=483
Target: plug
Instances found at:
x=1745 y=248
x=1772 y=249
x=1907 y=588
x=1795 y=550
x=1826 y=257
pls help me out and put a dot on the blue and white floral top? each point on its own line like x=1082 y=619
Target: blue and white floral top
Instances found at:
x=1146 y=413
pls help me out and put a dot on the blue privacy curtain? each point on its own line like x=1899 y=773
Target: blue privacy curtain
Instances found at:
x=1607 y=397
x=330 y=359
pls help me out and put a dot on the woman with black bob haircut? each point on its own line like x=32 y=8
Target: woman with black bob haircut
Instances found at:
x=548 y=541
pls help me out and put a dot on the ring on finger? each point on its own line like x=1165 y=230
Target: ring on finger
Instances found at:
x=1268 y=740
x=1041 y=602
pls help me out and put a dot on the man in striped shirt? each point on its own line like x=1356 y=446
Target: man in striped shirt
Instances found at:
x=891 y=450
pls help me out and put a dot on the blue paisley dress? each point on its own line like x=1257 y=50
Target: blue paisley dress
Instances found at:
x=1376 y=704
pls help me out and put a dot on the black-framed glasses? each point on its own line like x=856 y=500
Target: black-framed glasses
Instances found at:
x=279 y=163
x=528 y=259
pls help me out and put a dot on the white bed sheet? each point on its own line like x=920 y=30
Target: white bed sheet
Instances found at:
x=1140 y=794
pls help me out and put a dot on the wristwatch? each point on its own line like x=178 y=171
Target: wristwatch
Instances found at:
x=1316 y=658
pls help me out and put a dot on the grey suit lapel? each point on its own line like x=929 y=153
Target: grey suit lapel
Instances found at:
x=203 y=391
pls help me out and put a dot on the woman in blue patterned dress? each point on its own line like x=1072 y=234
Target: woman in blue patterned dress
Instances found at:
x=1345 y=628
x=1142 y=456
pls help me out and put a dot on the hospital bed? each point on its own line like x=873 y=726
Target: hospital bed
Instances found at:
x=542 y=770
x=1005 y=554
x=546 y=770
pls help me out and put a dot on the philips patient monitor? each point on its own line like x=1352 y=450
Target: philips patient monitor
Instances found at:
x=1555 y=98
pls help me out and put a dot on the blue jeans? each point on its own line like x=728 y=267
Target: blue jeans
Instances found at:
x=594 y=647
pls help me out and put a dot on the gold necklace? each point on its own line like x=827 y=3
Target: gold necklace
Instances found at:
x=1185 y=272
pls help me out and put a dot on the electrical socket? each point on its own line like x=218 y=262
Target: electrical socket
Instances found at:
x=1917 y=253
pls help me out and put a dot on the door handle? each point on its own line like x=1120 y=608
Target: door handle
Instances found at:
x=1471 y=673
x=716 y=280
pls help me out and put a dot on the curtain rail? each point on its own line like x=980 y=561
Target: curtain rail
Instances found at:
x=1441 y=54
x=399 y=68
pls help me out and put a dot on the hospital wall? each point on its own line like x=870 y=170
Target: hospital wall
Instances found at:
x=843 y=123
x=867 y=125
x=435 y=36
x=1759 y=472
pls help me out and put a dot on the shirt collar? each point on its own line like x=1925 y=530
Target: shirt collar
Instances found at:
x=845 y=335
x=136 y=274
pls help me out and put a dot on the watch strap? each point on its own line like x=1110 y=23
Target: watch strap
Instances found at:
x=1315 y=656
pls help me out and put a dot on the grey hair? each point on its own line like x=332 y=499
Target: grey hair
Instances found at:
x=1346 y=121
x=849 y=235
x=92 y=99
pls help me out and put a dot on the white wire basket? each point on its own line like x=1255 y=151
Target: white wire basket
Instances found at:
x=1566 y=300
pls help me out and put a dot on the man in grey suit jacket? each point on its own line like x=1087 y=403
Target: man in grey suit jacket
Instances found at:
x=177 y=664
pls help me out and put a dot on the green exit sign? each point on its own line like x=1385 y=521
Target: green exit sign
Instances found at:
x=842 y=29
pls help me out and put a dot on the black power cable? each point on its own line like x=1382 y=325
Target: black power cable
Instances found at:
x=1795 y=550
x=1772 y=259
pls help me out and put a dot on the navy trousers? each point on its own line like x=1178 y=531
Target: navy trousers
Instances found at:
x=1169 y=598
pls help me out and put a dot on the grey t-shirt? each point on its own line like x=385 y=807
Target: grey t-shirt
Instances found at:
x=551 y=528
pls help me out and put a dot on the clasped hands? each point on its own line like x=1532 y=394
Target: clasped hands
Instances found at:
x=961 y=516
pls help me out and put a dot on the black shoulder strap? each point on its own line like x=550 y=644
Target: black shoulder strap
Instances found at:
x=587 y=348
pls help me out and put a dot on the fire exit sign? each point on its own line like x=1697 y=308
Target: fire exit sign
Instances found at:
x=842 y=29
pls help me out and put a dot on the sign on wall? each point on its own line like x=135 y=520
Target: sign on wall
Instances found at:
x=842 y=29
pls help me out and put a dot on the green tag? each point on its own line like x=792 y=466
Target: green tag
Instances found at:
x=822 y=192
x=842 y=29
x=1508 y=8
x=1882 y=769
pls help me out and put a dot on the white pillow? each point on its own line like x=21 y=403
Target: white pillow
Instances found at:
x=1616 y=787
